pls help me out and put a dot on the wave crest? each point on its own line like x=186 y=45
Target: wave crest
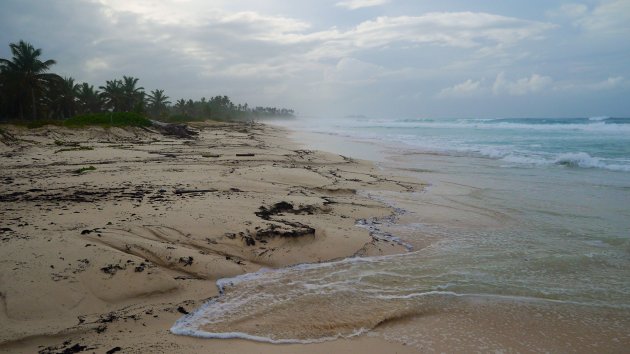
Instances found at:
x=584 y=160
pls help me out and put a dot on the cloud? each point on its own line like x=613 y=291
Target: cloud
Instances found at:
x=609 y=17
x=608 y=84
x=353 y=71
x=311 y=56
x=359 y=4
x=466 y=88
x=448 y=29
x=570 y=10
x=96 y=64
x=246 y=43
x=259 y=26
x=520 y=87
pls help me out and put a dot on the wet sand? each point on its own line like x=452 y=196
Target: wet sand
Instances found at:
x=108 y=236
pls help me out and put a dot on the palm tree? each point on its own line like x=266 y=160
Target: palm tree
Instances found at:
x=158 y=102
x=190 y=107
x=113 y=94
x=123 y=95
x=134 y=96
x=89 y=100
x=4 y=99
x=26 y=77
x=62 y=97
x=180 y=106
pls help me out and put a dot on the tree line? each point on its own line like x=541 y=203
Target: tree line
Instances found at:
x=29 y=91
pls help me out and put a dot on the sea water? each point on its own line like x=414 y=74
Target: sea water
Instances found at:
x=524 y=222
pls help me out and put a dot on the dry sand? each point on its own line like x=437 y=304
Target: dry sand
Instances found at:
x=108 y=259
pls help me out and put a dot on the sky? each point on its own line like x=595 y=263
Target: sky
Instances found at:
x=378 y=58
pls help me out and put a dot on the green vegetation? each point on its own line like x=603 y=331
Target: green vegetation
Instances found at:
x=222 y=108
x=31 y=96
x=84 y=169
x=114 y=119
x=31 y=124
x=104 y=119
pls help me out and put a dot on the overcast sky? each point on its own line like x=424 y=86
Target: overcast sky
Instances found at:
x=380 y=58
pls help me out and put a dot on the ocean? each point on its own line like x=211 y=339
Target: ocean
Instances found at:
x=524 y=224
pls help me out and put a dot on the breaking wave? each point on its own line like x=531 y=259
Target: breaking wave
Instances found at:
x=589 y=143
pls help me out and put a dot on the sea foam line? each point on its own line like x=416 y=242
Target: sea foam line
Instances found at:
x=188 y=324
x=240 y=335
x=522 y=299
x=508 y=153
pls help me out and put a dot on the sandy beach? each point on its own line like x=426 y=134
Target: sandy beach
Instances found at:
x=110 y=235
x=348 y=176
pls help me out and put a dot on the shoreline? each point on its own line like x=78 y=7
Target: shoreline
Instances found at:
x=167 y=259
x=463 y=202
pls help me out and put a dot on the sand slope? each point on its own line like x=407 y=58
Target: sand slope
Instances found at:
x=111 y=256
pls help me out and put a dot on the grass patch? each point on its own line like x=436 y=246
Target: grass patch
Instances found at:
x=106 y=119
x=78 y=148
x=116 y=119
x=32 y=124
x=84 y=169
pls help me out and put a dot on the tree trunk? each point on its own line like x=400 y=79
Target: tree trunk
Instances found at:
x=34 y=106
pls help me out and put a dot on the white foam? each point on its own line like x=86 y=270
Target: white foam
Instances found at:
x=458 y=137
x=507 y=153
x=498 y=297
x=188 y=331
x=594 y=126
x=584 y=160
x=526 y=160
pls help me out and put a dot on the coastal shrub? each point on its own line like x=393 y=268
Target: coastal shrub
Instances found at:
x=32 y=124
x=113 y=119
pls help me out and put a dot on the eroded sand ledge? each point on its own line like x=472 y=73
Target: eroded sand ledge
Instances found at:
x=111 y=257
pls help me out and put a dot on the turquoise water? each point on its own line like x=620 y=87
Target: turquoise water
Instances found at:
x=532 y=210
x=574 y=142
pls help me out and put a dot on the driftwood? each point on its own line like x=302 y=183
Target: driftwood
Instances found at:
x=181 y=131
x=247 y=154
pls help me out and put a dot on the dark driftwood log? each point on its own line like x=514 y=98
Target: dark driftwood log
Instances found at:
x=181 y=131
x=248 y=154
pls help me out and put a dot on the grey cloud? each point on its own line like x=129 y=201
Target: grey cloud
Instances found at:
x=258 y=53
x=359 y=4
